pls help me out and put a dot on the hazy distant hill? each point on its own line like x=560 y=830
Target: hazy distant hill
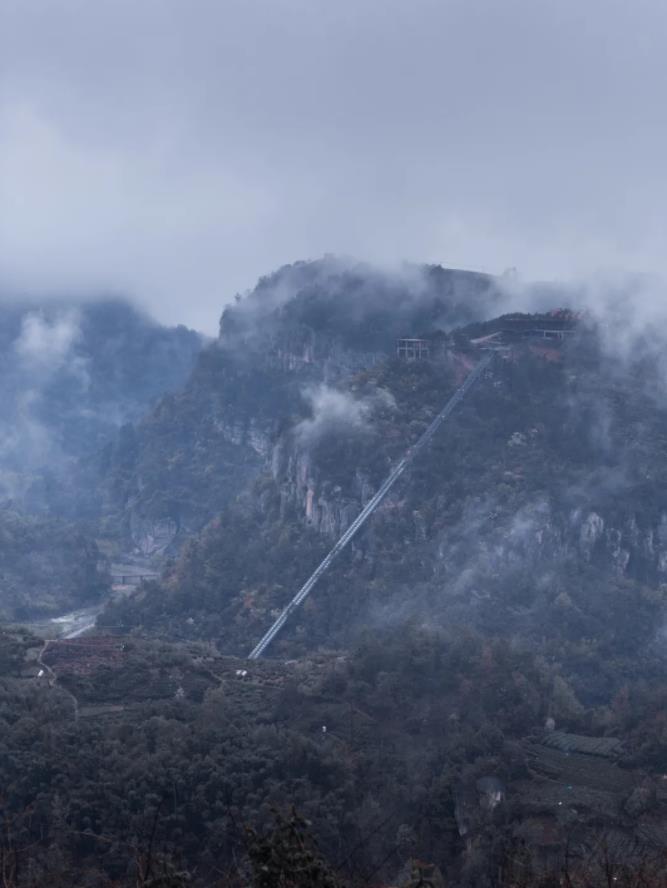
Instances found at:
x=70 y=376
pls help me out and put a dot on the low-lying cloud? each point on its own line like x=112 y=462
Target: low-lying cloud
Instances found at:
x=178 y=151
x=333 y=410
x=47 y=341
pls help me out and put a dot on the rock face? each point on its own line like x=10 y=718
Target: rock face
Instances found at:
x=152 y=538
x=320 y=503
x=591 y=529
x=250 y=434
x=537 y=530
x=626 y=548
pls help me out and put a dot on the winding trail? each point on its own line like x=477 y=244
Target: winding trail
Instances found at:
x=53 y=678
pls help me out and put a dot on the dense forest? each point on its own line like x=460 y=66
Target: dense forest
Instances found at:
x=148 y=754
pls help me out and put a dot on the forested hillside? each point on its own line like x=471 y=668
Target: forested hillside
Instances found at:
x=153 y=764
x=47 y=567
x=537 y=514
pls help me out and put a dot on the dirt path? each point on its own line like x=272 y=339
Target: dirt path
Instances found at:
x=53 y=679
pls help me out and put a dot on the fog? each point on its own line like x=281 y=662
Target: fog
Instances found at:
x=335 y=410
x=176 y=151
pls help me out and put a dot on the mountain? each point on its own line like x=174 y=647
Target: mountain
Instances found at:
x=310 y=324
x=537 y=513
x=72 y=374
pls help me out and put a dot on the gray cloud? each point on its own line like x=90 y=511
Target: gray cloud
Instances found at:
x=178 y=150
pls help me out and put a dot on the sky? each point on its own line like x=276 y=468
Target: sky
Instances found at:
x=175 y=150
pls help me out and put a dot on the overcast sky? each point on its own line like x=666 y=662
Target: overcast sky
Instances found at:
x=177 y=149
